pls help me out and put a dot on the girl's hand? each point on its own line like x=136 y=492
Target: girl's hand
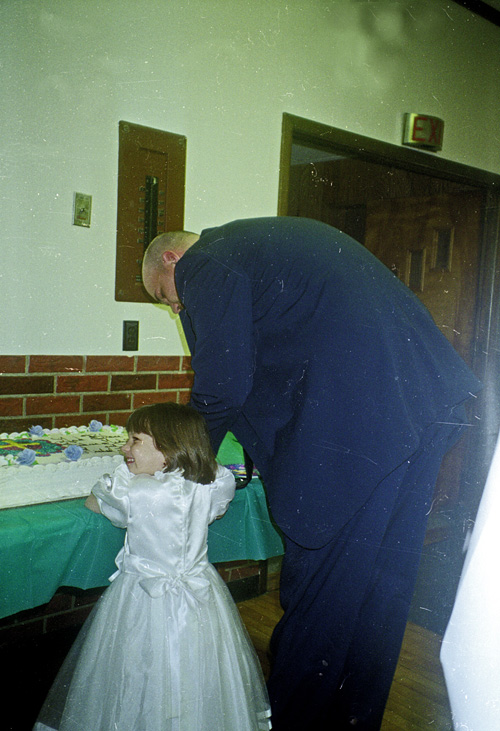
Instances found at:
x=92 y=504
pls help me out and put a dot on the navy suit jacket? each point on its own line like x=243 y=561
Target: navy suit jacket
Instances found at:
x=326 y=368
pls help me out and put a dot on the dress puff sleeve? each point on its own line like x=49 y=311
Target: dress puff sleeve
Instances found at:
x=221 y=493
x=112 y=493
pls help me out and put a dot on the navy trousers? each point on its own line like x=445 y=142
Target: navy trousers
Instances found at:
x=336 y=647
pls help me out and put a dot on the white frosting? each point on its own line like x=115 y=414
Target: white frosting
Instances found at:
x=54 y=477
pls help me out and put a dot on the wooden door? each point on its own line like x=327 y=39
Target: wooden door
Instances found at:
x=432 y=244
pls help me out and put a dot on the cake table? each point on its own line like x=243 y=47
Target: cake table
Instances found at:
x=46 y=546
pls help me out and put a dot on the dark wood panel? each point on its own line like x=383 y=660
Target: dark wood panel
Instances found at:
x=151 y=177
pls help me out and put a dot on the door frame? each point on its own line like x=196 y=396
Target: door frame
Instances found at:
x=486 y=337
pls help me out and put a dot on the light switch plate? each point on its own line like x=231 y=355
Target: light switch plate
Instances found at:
x=82 y=209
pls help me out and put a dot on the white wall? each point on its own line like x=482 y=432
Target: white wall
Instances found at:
x=220 y=72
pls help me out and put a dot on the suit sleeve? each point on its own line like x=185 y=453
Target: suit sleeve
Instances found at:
x=218 y=324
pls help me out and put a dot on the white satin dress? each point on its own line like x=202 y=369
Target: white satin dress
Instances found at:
x=164 y=649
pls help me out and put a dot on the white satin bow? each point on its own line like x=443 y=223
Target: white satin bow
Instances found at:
x=194 y=586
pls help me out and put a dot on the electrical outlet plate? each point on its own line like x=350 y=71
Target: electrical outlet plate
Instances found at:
x=130 y=335
x=82 y=209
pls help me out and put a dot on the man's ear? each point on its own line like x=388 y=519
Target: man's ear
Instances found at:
x=170 y=257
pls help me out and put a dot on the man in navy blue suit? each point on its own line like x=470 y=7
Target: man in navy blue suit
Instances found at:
x=346 y=396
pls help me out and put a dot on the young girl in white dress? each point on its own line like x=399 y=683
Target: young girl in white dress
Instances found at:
x=164 y=649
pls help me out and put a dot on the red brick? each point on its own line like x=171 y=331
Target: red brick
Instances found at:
x=63 y=422
x=59 y=603
x=175 y=380
x=273 y=582
x=184 y=397
x=136 y=382
x=24 y=617
x=12 y=363
x=26 y=384
x=67 y=619
x=19 y=632
x=22 y=424
x=106 y=402
x=74 y=384
x=11 y=406
x=244 y=572
x=55 y=363
x=110 y=363
x=237 y=564
x=85 y=598
x=225 y=574
x=236 y=570
x=158 y=363
x=186 y=363
x=145 y=399
x=63 y=601
x=119 y=418
x=52 y=405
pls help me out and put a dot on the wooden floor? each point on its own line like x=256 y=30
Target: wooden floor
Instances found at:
x=418 y=698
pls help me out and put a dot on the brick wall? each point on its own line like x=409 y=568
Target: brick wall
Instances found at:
x=66 y=390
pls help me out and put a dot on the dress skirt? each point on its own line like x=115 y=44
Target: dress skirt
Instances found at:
x=169 y=656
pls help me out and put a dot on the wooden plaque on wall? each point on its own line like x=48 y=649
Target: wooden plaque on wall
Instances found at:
x=151 y=179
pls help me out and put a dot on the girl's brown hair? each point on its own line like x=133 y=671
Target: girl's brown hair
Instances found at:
x=180 y=433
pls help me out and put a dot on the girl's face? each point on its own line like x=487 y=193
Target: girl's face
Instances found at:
x=141 y=455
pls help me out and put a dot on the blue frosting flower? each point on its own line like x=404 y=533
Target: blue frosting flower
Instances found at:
x=95 y=425
x=26 y=457
x=73 y=452
x=36 y=431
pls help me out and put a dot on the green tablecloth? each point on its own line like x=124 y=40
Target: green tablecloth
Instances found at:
x=43 y=547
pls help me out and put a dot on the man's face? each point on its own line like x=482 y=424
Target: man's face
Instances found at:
x=161 y=286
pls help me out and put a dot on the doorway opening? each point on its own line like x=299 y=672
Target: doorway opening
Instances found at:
x=435 y=224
